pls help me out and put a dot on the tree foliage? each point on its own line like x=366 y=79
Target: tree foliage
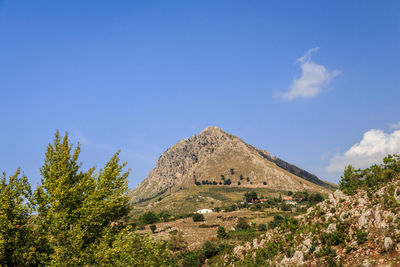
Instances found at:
x=371 y=177
x=76 y=208
x=14 y=217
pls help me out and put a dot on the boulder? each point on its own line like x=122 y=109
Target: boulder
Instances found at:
x=387 y=243
x=331 y=228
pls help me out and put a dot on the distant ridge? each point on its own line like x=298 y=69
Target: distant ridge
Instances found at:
x=217 y=158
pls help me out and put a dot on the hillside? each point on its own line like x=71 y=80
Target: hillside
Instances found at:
x=215 y=158
x=358 y=229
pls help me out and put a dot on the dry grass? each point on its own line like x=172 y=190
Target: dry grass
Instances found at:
x=195 y=236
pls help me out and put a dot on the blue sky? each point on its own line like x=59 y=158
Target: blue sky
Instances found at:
x=315 y=83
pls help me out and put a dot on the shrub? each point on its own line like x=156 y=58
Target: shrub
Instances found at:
x=176 y=241
x=242 y=224
x=153 y=228
x=192 y=259
x=198 y=217
x=262 y=227
x=221 y=232
x=149 y=218
x=232 y=171
x=209 y=249
x=361 y=237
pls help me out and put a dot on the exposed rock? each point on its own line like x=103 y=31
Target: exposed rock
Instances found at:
x=387 y=243
x=331 y=228
x=306 y=245
x=298 y=258
x=363 y=220
x=213 y=153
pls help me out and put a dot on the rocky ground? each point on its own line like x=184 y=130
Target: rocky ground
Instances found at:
x=359 y=230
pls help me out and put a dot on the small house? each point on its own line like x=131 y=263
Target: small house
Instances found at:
x=288 y=198
x=204 y=211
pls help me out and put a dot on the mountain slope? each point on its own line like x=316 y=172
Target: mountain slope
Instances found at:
x=217 y=158
x=359 y=229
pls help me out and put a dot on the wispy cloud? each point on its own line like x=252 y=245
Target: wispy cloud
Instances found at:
x=373 y=147
x=394 y=126
x=313 y=79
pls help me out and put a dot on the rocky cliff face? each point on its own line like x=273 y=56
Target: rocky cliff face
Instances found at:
x=216 y=158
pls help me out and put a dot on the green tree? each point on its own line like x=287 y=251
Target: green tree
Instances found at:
x=14 y=215
x=153 y=228
x=149 y=218
x=348 y=182
x=76 y=208
x=221 y=232
x=250 y=196
x=125 y=248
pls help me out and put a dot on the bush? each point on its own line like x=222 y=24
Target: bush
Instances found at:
x=361 y=237
x=221 y=232
x=250 y=196
x=176 y=241
x=153 y=228
x=198 y=217
x=262 y=227
x=149 y=218
x=192 y=259
x=242 y=224
x=209 y=249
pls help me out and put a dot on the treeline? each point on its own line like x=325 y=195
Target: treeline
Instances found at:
x=73 y=218
x=370 y=178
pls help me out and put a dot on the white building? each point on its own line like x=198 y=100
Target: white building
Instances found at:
x=204 y=211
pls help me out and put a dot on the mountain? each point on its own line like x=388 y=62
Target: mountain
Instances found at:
x=216 y=158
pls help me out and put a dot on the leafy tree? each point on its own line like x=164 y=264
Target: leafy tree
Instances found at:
x=221 y=232
x=232 y=171
x=149 y=218
x=251 y=196
x=348 y=182
x=14 y=215
x=153 y=228
x=76 y=208
x=125 y=248
x=165 y=215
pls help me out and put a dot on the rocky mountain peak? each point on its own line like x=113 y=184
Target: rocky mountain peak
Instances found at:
x=215 y=157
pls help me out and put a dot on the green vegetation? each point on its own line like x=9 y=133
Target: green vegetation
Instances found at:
x=370 y=178
x=221 y=232
x=78 y=216
x=198 y=217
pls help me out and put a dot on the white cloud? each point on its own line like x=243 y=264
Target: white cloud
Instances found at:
x=374 y=146
x=394 y=126
x=313 y=78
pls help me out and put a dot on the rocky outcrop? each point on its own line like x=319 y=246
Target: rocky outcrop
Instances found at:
x=359 y=230
x=216 y=157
